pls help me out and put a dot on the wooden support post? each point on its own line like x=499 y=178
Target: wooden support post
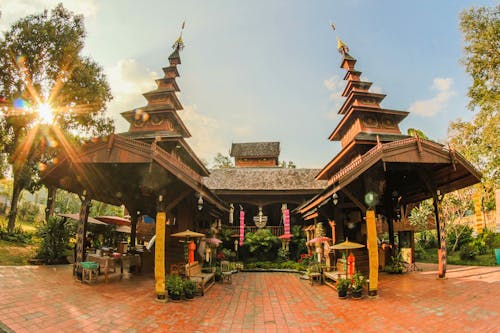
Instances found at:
x=133 y=226
x=51 y=199
x=80 y=234
x=161 y=220
x=371 y=230
x=441 y=232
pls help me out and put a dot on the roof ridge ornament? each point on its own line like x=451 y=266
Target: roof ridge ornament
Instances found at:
x=342 y=47
x=179 y=43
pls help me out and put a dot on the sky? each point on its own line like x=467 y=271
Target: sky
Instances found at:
x=269 y=70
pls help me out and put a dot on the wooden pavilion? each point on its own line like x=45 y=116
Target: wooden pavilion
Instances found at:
x=379 y=171
x=150 y=169
x=262 y=189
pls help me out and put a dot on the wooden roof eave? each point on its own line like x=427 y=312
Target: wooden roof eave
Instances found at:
x=378 y=153
x=323 y=174
x=348 y=117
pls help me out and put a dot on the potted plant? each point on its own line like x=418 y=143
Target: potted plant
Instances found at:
x=343 y=287
x=189 y=288
x=358 y=281
x=174 y=286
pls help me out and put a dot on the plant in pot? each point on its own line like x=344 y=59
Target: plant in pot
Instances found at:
x=358 y=281
x=189 y=288
x=343 y=287
x=174 y=286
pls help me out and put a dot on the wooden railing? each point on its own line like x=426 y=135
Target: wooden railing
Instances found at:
x=275 y=230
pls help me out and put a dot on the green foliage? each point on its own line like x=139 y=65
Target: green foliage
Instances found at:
x=297 y=242
x=417 y=133
x=262 y=244
x=289 y=165
x=396 y=264
x=189 y=287
x=427 y=239
x=419 y=216
x=478 y=139
x=457 y=236
x=343 y=285
x=276 y=265
x=283 y=254
x=468 y=252
x=18 y=235
x=222 y=162
x=40 y=60
x=358 y=281
x=28 y=211
x=174 y=285
x=55 y=240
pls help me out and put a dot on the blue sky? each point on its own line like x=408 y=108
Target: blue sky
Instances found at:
x=269 y=70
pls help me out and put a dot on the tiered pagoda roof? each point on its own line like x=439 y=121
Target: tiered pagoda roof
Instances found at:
x=159 y=122
x=364 y=122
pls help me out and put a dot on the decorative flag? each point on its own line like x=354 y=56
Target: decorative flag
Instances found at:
x=286 y=221
x=242 y=226
x=331 y=25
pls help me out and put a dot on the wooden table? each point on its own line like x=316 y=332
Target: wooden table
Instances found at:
x=107 y=263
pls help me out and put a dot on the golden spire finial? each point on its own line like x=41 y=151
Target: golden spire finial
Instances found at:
x=342 y=47
x=179 y=44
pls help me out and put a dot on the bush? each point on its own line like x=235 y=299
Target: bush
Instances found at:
x=427 y=239
x=55 y=240
x=462 y=232
x=396 y=265
x=18 y=236
x=468 y=252
x=29 y=212
x=262 y=244
x=174 y=285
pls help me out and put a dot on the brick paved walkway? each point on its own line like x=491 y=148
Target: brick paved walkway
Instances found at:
x=47 y=299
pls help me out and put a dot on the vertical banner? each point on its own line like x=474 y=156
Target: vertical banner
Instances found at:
x=242 y=226
x=371 y=230
x=478 y=213
x=161 y=218
x=286 y=221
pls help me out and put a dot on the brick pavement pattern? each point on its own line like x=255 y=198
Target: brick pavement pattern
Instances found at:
x=47 y=299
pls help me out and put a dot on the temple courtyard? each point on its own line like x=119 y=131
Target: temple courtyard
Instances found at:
x=48 y=299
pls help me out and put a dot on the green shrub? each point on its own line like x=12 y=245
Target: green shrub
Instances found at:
x=55 y=240
x=427 y=239
x=262 y=244
x=174 y=285
x=468 y=252
x=461 y=234
x=396 y=264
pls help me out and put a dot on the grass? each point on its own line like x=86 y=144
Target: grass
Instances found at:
x=431 y=256
x=15 y=254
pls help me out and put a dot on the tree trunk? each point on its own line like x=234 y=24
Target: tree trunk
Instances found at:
x=16 y=192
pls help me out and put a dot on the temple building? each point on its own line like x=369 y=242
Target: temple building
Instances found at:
x=364 y=191
x=262 y=189
x=378 y=174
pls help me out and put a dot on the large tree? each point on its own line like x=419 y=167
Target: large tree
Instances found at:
x=44 y=77
x=479 y=139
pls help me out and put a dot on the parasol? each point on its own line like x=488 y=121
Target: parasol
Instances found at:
x=346 y=245
x=77 y=217
x=319 y=239
x=213 y=241
x=188 y=234
x=286 y=236
x=115 y=220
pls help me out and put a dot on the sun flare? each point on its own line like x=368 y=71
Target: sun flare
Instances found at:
x=45 y=113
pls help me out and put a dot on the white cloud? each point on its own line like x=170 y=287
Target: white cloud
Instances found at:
x=206 y=133
x=430 y=107
x=128 y=79
x=12 y=10
x=336 y=86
